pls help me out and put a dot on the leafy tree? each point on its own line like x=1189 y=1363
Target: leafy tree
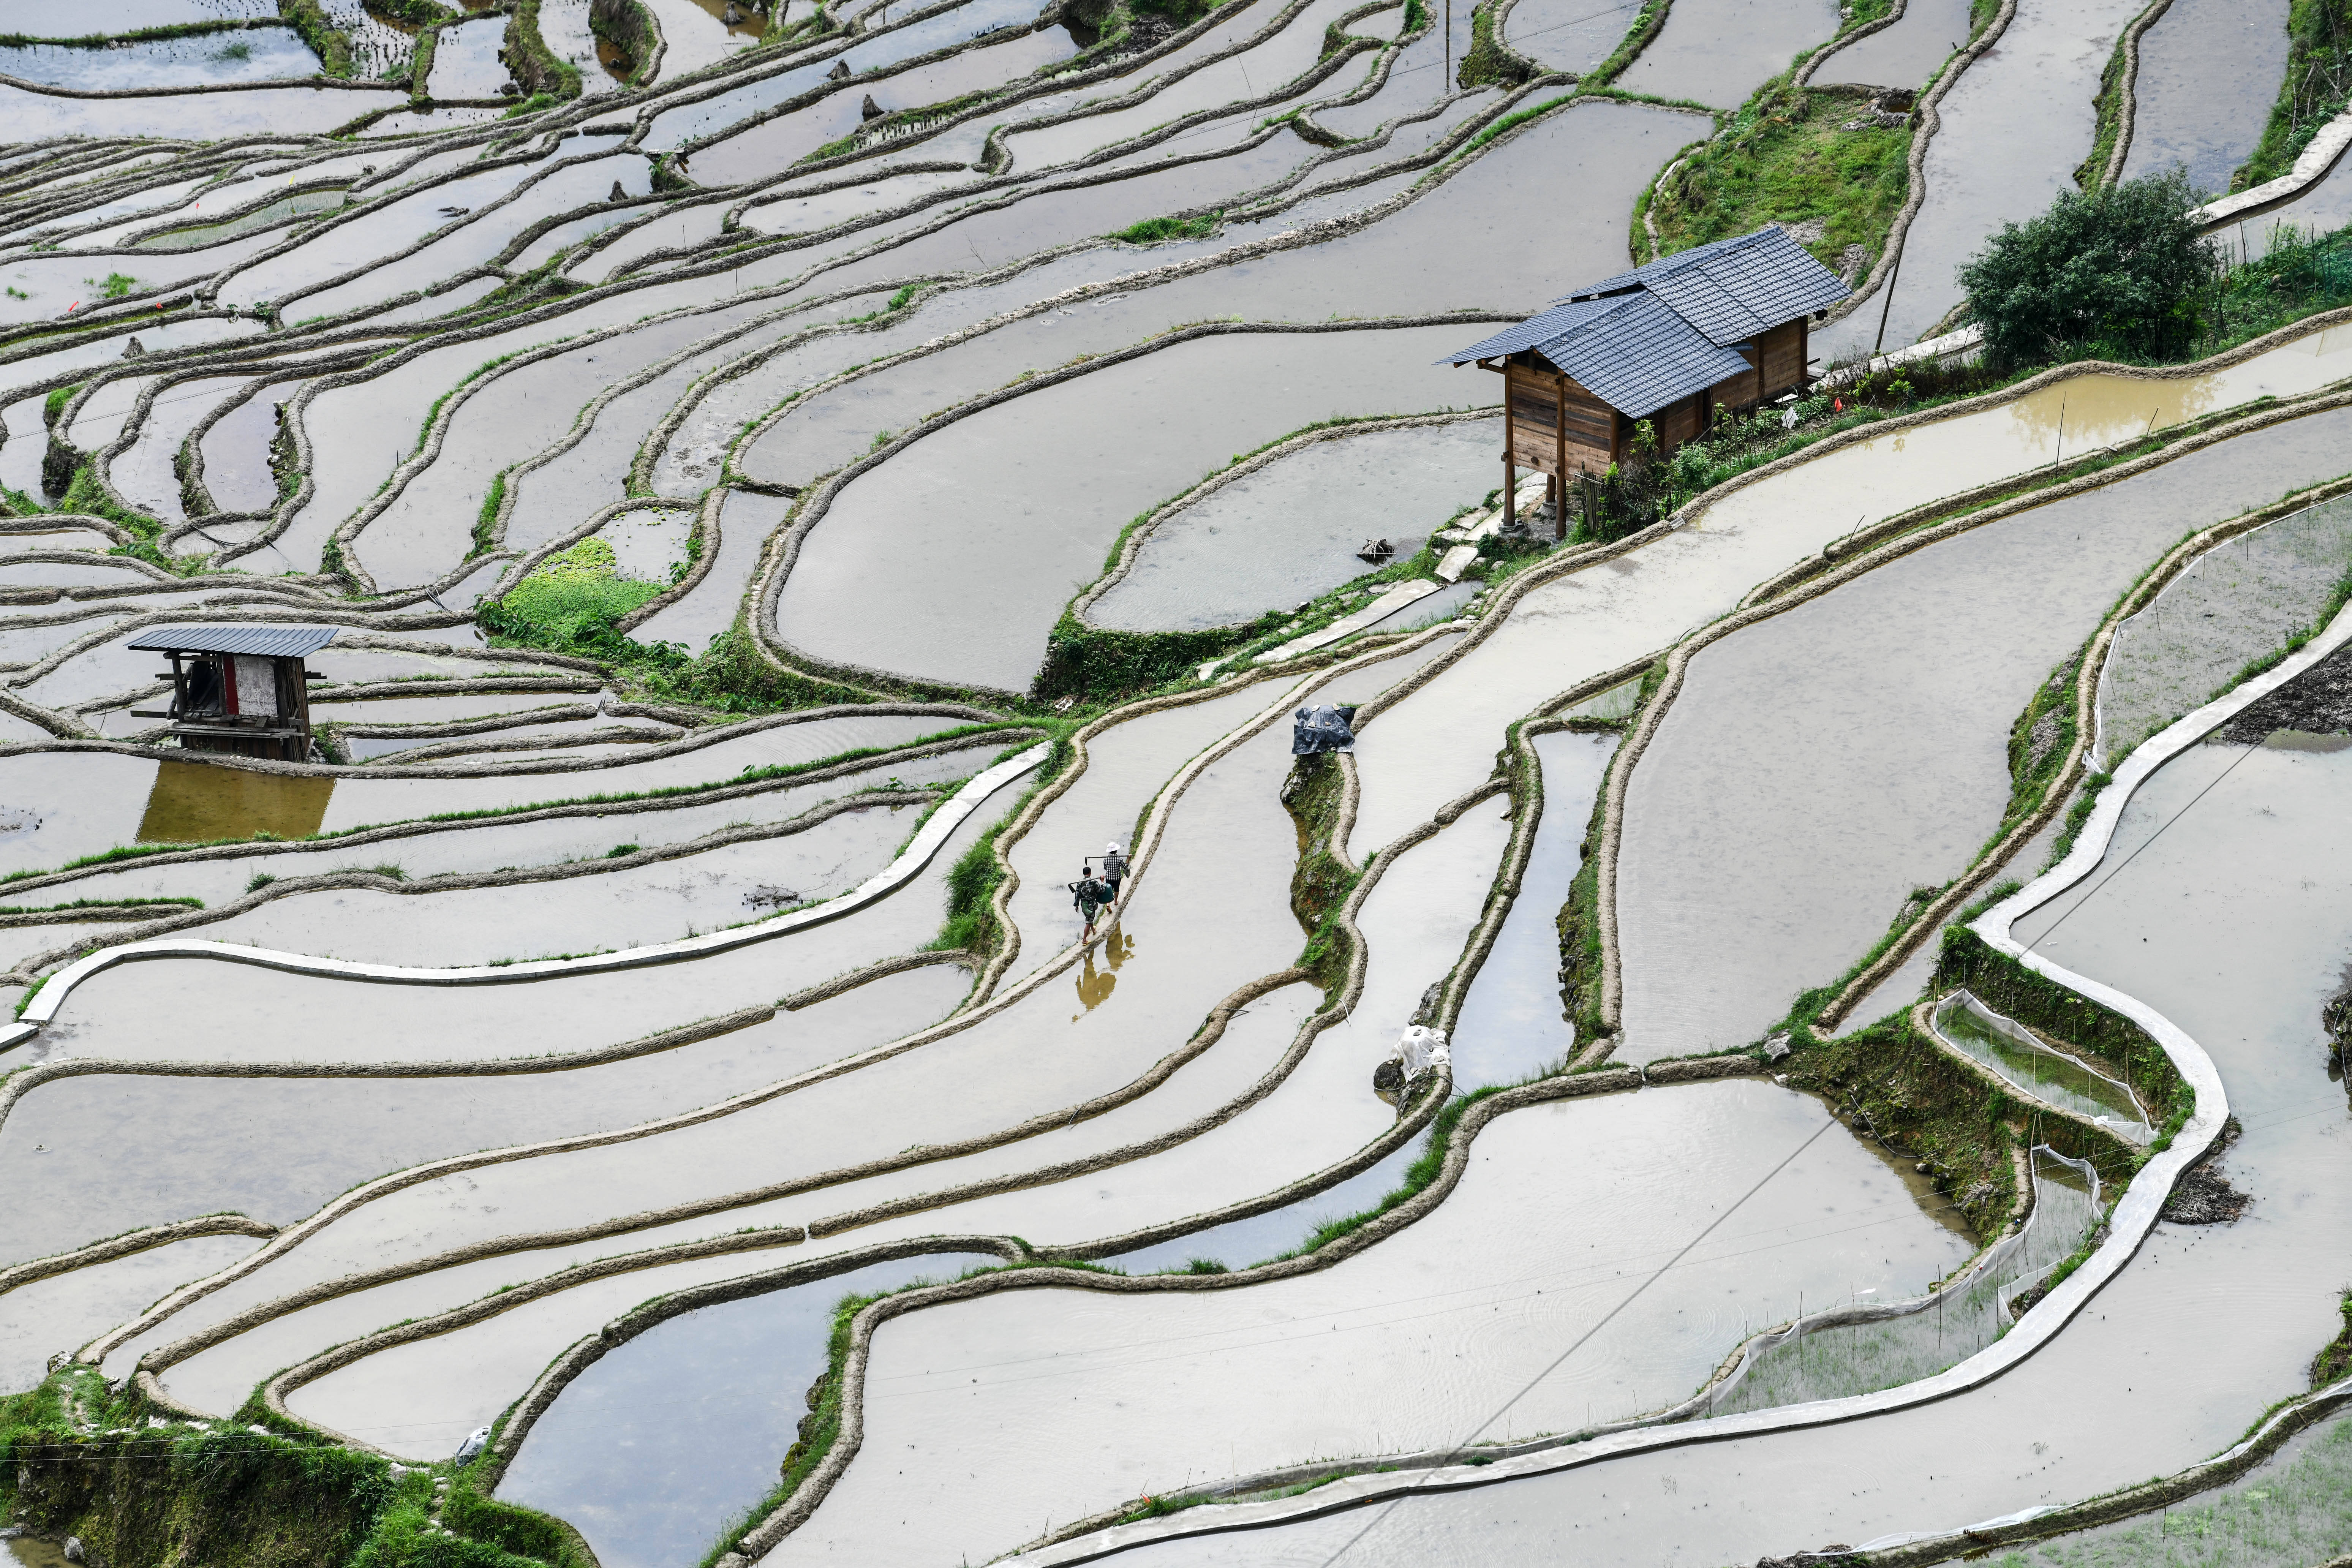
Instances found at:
x=2121 y=271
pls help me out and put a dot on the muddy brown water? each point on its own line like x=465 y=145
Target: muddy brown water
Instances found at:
x=192 y=803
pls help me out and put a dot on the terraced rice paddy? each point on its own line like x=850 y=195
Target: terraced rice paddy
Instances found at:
x=1820 y=1020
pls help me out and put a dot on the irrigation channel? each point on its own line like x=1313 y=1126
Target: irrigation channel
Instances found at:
x=1883 y=921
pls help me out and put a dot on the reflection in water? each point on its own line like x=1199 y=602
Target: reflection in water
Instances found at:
x=1095 y=986
x=740 y=20
x=655 y=1444
x=195 y=803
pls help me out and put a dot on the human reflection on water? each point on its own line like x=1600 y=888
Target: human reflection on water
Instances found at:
x=1095 y=986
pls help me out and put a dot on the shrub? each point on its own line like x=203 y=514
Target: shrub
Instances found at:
x=2121 y=272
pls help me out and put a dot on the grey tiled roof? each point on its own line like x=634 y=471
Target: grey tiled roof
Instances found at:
x=1642 y=339
x=1735 y=288
x=276 y=642
x=1630 y=351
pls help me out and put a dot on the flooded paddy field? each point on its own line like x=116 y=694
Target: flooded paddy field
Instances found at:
x=2014 y=127
x=768 y=517
x=2205 y=85
x=1901 y=827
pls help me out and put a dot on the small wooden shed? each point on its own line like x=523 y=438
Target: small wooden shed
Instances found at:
x=239 y=690
x=1719 y=326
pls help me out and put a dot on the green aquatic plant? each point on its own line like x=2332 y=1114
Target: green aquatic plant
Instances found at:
x=571 y=595
x=1153 y=230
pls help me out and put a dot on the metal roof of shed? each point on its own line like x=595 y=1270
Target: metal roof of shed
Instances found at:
x=274 y=642
x=1733 y=288
x=1630 y=351
x=1644 y=337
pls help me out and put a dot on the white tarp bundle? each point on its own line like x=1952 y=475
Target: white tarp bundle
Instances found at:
x=1419 y=1050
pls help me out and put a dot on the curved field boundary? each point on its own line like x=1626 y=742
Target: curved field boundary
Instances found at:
x=2310 y=167
x=1155 y=821
x=43 y=1008
x=1988 y=861
x=804 y=1501
x=2134 y=1218
x=558 y=871
x=1931 y=120
x=129 y=1242
x=346 y=532
x=1804 y=77
x=748 y=1239
x=693 y=741
x=783 y=551
x=622 y=806
x=2127 y=91
x=1133 y=544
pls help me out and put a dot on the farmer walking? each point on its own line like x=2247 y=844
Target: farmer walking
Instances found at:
x=1114 y=869
x=1088 y=897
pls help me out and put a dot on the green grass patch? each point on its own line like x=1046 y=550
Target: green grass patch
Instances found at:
x=310 y=20
x=2317 y=88
x=1787 y=157
x=571 y=595
x=1154 y=230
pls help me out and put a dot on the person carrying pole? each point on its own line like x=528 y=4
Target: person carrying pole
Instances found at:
x=1114 y=868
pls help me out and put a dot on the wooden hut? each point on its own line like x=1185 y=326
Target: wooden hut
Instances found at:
x=240 y=690
x=1720 y=326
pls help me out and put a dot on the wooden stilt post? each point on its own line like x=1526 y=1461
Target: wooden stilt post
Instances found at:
x=1510 y=449
x=1559 y=460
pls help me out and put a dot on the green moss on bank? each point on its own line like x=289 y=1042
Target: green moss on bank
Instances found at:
x=2008 y=986
x=309 y=19
x=2317 y=88
x=543 y=74
x=1319 y=883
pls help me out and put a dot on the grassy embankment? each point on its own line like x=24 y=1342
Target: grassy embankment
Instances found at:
x=2317 y=87
x=78 y=1460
